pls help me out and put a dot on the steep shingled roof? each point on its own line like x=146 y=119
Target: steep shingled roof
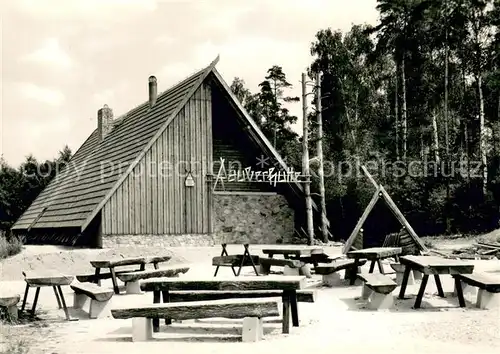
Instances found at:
x=76 y=195
x=97 y=166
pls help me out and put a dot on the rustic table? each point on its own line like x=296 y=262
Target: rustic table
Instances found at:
x=373 y=254
x=121 y=262
x=53 y=280
x=431 y=265
x=308 y=254
x=288 y=286
x=240 y=261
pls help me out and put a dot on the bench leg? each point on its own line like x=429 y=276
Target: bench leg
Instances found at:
x=79 y=300
x=113 y=279
x=99 y=309
x=12 y=312
x=57 y=297
x=133 y=287
x=353 y=273
x=142 y=329
x=290 y=271
x=156 y=321
x=265 y=269
x=332 y=279
x=487 y=300
x=421 y=291
x=459 y=292
x=63 y=302
x=286 y=314
x=438 y=285
x=378 y=301
x=365 y=292
x=380 y=266
x=25 y=298
x=33 y=308
x=253 y=329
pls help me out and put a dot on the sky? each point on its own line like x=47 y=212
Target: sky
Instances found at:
x=62 y=60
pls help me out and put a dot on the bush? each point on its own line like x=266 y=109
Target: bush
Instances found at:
x=9 y=246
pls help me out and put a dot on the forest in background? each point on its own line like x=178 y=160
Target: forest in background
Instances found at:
x=415 y=98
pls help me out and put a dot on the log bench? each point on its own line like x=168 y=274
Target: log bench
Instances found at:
x=9 y=303
x=99 y=298
x=290 y=266
x=205 y=295
x=377 y=288
x=131 y=279
x=251 y=312
x=488 y=295
x=329 y=271
x=235 y=261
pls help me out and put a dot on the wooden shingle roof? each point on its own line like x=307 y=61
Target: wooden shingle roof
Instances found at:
x=98 y=165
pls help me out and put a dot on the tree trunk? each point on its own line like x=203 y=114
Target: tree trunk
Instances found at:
x=482 y=135
x=435 y=136
x=396 y=111
x=403 y=109
x=446 y=133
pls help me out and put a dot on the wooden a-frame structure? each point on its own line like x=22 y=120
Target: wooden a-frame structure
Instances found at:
x=381 y=192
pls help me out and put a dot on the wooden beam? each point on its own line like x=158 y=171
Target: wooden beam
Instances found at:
x=399 y=215
x=235 y=308
x=37 y=218
x=361 y=221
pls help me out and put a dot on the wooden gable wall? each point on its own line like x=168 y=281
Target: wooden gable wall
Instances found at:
x=232 y=143
x=152 y=202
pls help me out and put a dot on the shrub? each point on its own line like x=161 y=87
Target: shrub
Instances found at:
x=9 y=246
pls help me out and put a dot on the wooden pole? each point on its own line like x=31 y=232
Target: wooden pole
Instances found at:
x=305 y=163
x=319 y=150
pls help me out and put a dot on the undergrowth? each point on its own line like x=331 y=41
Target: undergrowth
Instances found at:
x=9 y=246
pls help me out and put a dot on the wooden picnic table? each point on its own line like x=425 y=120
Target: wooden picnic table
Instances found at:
x=240 y=261
x=373 y=254
x=308 y=254
x=431 y=265
x=121 y=262
x=54 y=280
x=288 y=286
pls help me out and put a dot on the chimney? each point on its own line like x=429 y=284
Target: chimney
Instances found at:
x=104 y=121
x=152 y=91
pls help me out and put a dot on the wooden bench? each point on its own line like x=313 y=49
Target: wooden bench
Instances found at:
x=488 y=295
x=377 y=288
x=93 y=278
x=329 y=271
x=99 y=298
x=205 y=295
x=252 y=312
x=131 y=279
x=9 y=303
x=290 y=266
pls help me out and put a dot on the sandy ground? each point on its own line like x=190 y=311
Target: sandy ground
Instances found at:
x=336 y=322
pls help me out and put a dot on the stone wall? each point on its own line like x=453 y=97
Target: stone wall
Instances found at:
x=237 y=218
x=256 y=219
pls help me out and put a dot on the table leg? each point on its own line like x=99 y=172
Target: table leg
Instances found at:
x=404 y=283
x=421 y=291
x=372 y=266
x=25 y=297
x=33 y=308
x=166 y=298
x=354 y=271
x=380 y=266
x=142 y=267
x=438 y=285
x=156 y=321
x=97 y=280
x=113 y=279
x=286 y=312
x=460 y=293
x=57 y=297
x=155 y=265
x=294 y=308
x=63 y=302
